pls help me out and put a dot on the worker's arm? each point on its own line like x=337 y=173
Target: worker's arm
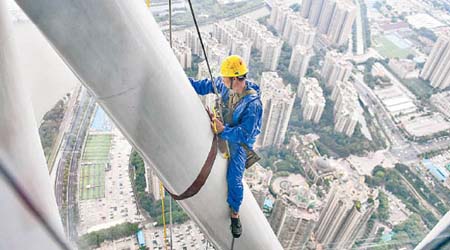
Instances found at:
x=247 y=129
x=204 y=87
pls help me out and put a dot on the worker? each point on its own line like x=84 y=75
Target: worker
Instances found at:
x=241 y=112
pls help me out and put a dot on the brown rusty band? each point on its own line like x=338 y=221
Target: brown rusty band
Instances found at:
x=202 y=176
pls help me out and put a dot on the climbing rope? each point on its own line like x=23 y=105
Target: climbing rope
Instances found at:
x=161 y=191
x=170 y=200
x=217 y=110
x=170 y=221
x=203 y=49
x=222 y=145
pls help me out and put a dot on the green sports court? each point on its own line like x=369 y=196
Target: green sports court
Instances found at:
x=391 y=46
x=93 y=163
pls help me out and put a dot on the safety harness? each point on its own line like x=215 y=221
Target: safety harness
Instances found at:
x=252 y=157
x=233 y=101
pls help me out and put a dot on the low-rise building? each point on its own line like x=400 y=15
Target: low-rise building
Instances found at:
x=403 y=68
x=439 y=172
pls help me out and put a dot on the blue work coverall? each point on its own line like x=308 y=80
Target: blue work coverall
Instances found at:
x=245 y=126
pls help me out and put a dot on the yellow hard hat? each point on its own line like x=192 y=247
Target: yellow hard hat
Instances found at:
x=233 y=66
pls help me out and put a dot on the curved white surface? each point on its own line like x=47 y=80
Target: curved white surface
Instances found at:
x=22 y=155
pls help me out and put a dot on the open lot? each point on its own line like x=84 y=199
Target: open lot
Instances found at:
x=388 y=48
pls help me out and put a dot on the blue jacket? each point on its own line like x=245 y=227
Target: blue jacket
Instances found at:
x=247 y=116
x=244 y=127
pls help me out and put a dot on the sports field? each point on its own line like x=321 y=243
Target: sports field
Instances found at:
x=94 y=160
x=389 y=49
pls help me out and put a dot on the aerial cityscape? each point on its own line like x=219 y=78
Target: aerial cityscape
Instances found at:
x=355 y=134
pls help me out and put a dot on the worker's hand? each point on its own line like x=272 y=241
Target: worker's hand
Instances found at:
x=217 y=125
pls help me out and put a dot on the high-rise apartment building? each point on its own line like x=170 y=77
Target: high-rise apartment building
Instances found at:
x=292 y=225
x=270 y=53
x=215 y=51
x=342 y=91
x=335 y=68
x=334 y=18
x=223 y=35
x=293 y=28
x=251 y=29
x=306 y=8
x=233 y=40
x=242 y=48
x=347 y=211
x=192 y=41
x=437 y=67
x=312 y=99
x=278 y=101
x=269 y=45
x=278 y=16
x=346 y=119
x=315 y=11
x=347 y=111
x=300 y=60
x=326 y=15
x=298 y=31
x=183 y=54
x=340 y=27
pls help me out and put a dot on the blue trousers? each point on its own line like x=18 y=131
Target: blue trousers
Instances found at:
x=235 y=173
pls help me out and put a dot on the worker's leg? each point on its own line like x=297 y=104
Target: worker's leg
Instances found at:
x=235 y=173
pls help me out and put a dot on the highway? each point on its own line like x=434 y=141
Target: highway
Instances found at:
x=66 y=148
x=72 y=183
x=69 y=152
x=68 y=114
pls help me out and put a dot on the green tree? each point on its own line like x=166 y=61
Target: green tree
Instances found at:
x=94 y=239
x=412 y=227
x=383 y=207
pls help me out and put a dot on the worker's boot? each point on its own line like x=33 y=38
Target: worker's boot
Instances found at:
x=236 y=227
